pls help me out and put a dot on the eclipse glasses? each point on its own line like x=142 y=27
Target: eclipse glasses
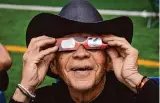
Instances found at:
x=72 y=43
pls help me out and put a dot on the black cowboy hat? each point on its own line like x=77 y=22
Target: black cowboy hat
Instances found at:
x=78 y=16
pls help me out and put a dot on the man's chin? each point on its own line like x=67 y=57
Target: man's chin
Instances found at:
x=82 y=85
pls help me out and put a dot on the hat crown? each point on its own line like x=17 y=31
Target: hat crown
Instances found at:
x=80 y=10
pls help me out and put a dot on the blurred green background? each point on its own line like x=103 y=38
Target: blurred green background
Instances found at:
x=13 y=24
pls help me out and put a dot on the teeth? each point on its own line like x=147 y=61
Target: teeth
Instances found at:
x=81 y=69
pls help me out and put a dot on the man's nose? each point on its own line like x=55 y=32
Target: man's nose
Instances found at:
x=81 y=53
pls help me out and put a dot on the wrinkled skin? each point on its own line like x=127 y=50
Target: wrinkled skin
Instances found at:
x=81 y=58
x=82 y=70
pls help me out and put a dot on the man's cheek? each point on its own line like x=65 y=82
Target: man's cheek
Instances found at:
x=60 y=60
x=100 y=59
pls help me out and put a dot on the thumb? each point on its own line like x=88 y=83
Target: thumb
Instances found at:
x=112 y=53
x=49 y=58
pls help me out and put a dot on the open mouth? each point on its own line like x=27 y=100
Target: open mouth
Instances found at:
x=82 y=69
x=82 y=72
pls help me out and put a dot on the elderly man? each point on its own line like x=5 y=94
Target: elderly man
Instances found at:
x=92 y=58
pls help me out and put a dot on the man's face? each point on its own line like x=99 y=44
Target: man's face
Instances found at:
x=81 y=69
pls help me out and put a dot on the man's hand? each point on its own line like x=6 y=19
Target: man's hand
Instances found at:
x=5 y=59
x=36 y=61
x=124 y=60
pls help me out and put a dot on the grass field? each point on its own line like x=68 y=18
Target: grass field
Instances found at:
x=13 y=24
x=100 y=4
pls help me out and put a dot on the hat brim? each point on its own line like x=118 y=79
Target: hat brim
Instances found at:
x=56 y=26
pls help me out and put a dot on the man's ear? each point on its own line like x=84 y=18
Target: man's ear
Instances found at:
x=53 y=67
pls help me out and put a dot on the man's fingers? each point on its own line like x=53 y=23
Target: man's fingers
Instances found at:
x=47 y=43
x=36 y=39
x=120 y=44
x=113 y=38
x=112 y=53
x=47 y=52
x=125 y=48
x=50 y=57
x=41 y=42
x=121 y=52
x=116 y=62
x=39 y=48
